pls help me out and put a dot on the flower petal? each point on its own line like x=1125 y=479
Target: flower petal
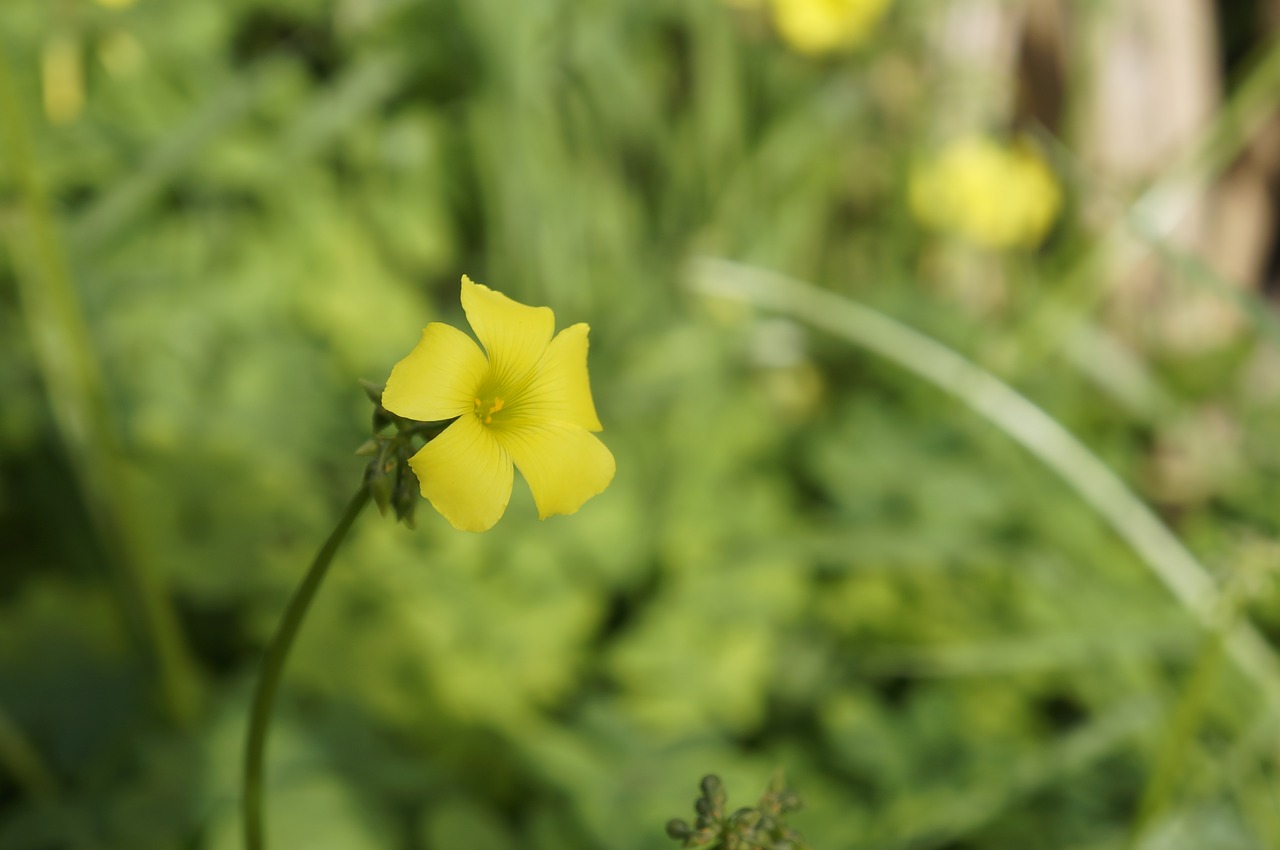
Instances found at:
x=465 y=475
x=560 y=390
x=514 y=335
x=438 y=379
x=565 y=465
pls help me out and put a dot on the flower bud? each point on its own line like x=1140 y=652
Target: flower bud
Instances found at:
x=372 y=390
x=713 y=789
x=381 y=477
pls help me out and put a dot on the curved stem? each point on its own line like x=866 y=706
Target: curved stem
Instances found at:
x=1037 y=432
x=273 y=669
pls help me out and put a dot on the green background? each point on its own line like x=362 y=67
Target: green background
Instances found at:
x=809 y=559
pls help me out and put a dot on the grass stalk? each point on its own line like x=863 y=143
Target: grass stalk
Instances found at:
x=1021 y=420
x=77 y=398
x=1150 y=219
x=1167 y=769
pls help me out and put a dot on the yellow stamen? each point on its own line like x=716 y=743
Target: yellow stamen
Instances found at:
x=494 y=406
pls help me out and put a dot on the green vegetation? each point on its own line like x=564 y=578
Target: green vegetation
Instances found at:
x=978 y=546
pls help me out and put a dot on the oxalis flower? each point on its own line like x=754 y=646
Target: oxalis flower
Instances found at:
x=524 y=400
x=816 y=27
x=992 y=194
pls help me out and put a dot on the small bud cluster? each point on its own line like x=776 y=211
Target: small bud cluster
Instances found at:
x=762 y=827
x=391 y=482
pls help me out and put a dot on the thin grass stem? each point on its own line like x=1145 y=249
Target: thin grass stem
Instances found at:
x=67 y=362
x=1020 y=419
x=1156 y=212
x=1164 y=773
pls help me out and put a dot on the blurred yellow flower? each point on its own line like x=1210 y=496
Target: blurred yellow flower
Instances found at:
x=993 y=195
x=821 y=26
x=528 y=403
x=62 y=79
x=116 y=4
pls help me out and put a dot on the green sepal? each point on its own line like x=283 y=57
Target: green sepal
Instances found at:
x=406 y=496
x=380 y=488
x=381 y=477
x=391 y=481
x=373 y=391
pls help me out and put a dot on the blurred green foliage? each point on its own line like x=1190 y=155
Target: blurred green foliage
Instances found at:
x=807 y=560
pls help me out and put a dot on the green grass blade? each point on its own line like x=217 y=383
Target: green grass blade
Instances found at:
x=1020 y=419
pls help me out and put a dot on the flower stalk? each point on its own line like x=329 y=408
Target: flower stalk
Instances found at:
x=389 y=484
x=273 y=670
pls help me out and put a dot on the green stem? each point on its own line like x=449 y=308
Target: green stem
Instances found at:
x=77 y=396
x=1179 y=736
x=273 y=669
x=1040 y=434
x=1154 y=214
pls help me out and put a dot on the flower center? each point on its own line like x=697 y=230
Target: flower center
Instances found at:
x=486 y=408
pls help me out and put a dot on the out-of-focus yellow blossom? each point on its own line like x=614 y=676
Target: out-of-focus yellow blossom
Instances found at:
x=62 y=79
x=993 y=195
x=116 y=4
x=821 y=26
x=527 y=402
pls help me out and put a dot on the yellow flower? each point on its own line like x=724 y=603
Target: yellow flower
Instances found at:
x=62 y=68
x=992 y=195
x=528 y=403
x=821 y=26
